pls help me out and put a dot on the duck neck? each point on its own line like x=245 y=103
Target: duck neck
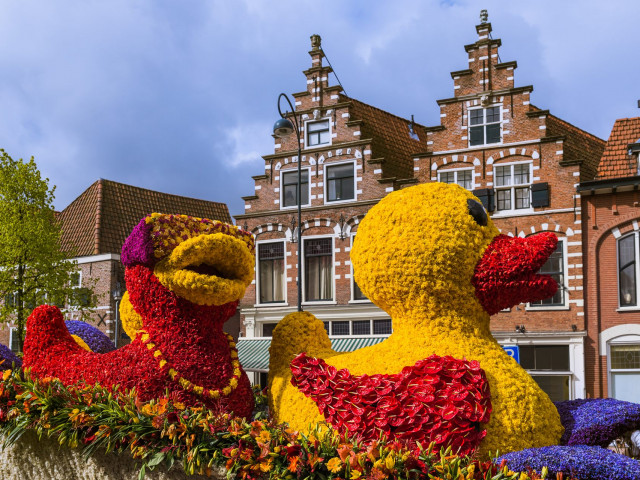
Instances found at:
x=438 y=318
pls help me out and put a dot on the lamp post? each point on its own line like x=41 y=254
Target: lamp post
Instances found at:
x=282 y=129
x=117 y=296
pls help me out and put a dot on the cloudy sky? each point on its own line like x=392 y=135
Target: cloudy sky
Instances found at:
x=180 y=96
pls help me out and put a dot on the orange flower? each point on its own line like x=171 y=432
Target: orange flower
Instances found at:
x=293 y=464
x=334 y=465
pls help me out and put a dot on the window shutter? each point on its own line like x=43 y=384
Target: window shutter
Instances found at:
x=485 y=195
x=540 y=195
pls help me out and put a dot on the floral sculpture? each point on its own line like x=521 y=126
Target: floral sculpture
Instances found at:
x=432 y=259
x=184 y=277
x=439 y=399
x=92 y=337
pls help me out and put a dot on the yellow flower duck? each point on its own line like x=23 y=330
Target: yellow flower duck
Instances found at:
x=432 y=259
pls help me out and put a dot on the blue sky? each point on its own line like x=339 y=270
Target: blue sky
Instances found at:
x=180 y=96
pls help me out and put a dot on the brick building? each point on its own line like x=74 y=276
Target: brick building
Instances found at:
x=522 y=161
x=94 y=227
x=611 y=242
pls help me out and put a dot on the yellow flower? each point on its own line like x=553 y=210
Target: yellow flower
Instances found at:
x=334 y=465
x=355 y=474
x=6 y=374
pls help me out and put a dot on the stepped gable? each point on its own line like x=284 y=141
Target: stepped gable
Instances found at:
x=616 y=161
x=101 y=218
x=391 y=138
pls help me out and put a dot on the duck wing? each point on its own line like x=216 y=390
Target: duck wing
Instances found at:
x=439 y=399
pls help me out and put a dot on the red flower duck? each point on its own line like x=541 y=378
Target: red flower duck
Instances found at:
x=184 y=277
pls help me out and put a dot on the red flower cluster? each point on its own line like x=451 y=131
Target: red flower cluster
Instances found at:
x=506 y=274
x=438 y=399
x=189 y=336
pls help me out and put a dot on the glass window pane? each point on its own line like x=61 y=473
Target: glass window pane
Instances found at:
x=625 y=357
x=464 y=179
x=318 y=269
x=504 y=199
x=267 y=329
x=521 y=174
x=556 y=386
x=522 y=197
x=339 y=328
x=627 y=250
x=382 y=327
x=317 y=126
x=503 y=176
x=357 y=293
x=627 y=274
x=626 y=386
x=475 y=116
x=326 y=327
x=290 y=188
x=527 y=357
x=361 y=327
x=493 y=133
x=554 y=267
x=340 y=171
x=476 y=136
x=446 y=177
x=493 y=114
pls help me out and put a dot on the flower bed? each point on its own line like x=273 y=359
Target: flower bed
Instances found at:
x=165 y=432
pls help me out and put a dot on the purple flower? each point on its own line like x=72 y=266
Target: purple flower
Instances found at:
x=97 y=341
x=9 y=358
x=597 y=421
x=583 y=462
x=138 y=247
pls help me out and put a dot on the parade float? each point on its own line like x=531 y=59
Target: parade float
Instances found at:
x=438 y=399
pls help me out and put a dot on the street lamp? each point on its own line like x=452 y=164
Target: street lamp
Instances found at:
x=117 y=296
x=282 y=129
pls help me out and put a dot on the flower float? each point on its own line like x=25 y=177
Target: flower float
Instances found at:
x=184 y=278
x=439 y=399
x=92 y=337
x=432 y=259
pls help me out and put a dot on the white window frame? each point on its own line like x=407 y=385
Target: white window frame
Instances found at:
x=512 y=187
x=565 y=286
x=12 y=331
x=294 y=170
x=79 y=284
x=636 y=246
x=610 y=371
x=353 y=280
x=484 y=124
x=257 y=270
x=326 y=166
x=72 y=306
x=455 y=171
x=625 y=334
x=306 y=137
x=351 y=334
x=304 y=272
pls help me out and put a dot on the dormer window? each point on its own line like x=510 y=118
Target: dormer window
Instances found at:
x=484 y=126
x=318 y=133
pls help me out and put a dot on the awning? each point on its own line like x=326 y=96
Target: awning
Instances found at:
x=254 y=352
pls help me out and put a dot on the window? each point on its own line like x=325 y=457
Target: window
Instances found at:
x=14 y=341
x=357 y=293
x=75 y=280
x=627 y=270
x=550 y=367
x=290 y=188
x=513 y=186
x=318 y=269
x=318 y=133
x=464 y=178
x=358 y=328
x=382 y=327
x=271 y=272
x=484 y=126
x=340 y=182
x=554 y=267
x=267 y=329
x=625 y=371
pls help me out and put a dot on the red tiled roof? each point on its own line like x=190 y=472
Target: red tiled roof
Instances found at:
x=391 y=139
x=616 y=161
x=102 y=217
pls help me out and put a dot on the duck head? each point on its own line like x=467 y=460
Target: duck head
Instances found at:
x=432 y=246
x=203 y=261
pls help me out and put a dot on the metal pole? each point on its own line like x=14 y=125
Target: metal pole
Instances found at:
x=117 y=323
x=299 y=192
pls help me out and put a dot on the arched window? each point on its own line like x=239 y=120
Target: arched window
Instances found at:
x=627 y=270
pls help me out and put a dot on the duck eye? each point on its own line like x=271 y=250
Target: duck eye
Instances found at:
x=477 y=212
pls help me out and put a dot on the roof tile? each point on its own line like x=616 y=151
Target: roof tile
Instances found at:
x=616 y=161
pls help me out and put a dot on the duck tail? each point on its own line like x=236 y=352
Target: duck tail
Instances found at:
x=296 y=333
x=46 y=332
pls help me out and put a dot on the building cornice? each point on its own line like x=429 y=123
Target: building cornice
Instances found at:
x=473 y=96
x=103 y=257
x=288 y=153
x=267 y=213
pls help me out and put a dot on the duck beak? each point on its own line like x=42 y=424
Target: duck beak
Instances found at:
x=506 y=274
